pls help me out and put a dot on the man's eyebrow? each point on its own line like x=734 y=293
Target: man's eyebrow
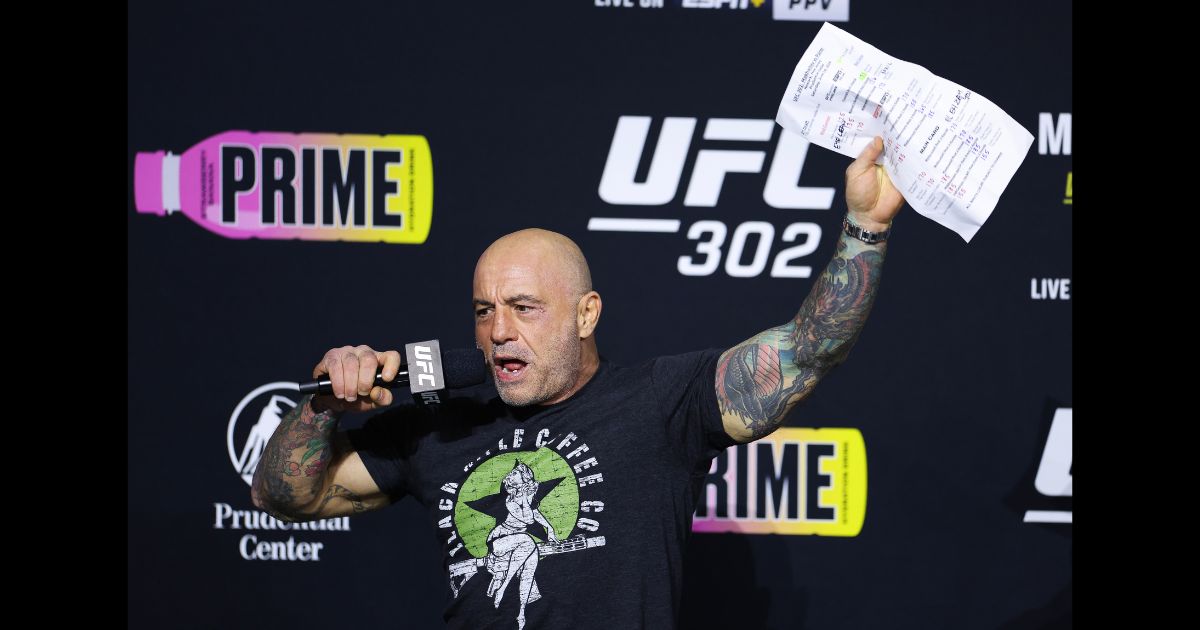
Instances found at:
x=523 y=297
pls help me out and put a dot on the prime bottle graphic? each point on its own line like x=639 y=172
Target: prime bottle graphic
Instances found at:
x=309 y=186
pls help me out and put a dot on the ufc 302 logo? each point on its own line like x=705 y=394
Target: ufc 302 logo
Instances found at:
x=750 y=243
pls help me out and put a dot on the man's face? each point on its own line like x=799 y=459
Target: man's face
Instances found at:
x=525 y=323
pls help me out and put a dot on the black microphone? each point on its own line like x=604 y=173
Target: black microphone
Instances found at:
x=427 y=372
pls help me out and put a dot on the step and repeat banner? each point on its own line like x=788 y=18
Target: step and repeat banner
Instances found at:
x=306 y=175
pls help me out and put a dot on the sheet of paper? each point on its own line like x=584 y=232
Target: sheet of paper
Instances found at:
x=949 y=150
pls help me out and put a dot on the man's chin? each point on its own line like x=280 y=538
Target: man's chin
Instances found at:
x=516 y=401
x=512 y=397
x=528 y=392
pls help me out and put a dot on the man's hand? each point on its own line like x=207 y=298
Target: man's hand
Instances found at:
x=351 y=371
x=871 y=198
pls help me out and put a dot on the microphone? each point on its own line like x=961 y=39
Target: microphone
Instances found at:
x=428 y=372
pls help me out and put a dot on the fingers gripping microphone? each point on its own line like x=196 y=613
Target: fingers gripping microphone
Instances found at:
x=426 y=371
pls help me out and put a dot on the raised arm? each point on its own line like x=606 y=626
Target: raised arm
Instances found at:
x=760 y=379
x=308 y=469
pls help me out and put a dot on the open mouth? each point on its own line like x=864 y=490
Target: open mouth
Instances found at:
x=508 y=368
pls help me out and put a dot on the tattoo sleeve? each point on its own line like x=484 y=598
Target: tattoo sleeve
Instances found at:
x=760 y=379
x=341 y=492
x=290 y=474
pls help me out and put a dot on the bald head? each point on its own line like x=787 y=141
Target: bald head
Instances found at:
x=536 y=315
x=553 y=256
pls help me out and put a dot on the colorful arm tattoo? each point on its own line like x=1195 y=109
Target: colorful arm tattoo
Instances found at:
x=760 y=379
x=289 y=475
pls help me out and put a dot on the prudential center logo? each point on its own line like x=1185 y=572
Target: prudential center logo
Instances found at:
x=261 y=411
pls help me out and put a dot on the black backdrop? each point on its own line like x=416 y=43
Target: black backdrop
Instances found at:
x=954 y=384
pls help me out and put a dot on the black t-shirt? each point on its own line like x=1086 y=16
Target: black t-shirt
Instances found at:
x=615 y=471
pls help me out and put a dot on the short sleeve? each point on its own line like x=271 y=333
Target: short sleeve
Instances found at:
x=385 y=442
x=685 y=387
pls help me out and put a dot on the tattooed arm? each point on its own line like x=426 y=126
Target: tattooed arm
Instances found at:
x=762 y=378
x=308 y=469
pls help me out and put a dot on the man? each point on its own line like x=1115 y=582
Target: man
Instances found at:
x=579 y=482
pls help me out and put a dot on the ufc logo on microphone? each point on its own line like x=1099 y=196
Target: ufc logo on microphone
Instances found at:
x=617 y=185
x=425 y=362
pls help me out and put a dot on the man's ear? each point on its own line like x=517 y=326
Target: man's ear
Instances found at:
x=588 y=313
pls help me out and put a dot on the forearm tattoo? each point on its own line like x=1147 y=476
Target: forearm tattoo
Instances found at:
x=760 y=379
x=294 y=459
x=343 y=493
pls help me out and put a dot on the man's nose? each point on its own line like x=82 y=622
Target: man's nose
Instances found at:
x=503 y=330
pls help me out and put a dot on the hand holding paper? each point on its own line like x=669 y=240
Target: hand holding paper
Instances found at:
x=871 y=197
x=948 y=150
